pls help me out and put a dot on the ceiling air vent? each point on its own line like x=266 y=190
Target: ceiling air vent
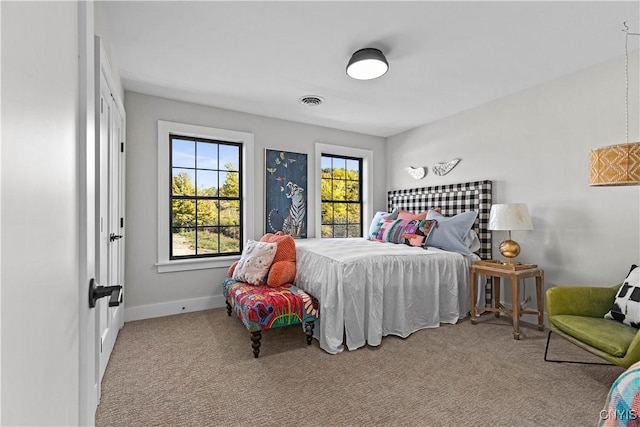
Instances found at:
x=311 y=100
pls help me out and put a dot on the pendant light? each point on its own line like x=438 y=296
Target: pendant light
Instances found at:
x=618 y=164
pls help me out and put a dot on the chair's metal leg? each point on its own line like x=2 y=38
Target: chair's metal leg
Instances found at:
x=546 y=359
x=546 y=349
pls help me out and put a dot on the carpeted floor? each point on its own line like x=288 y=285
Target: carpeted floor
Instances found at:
x=197 y=369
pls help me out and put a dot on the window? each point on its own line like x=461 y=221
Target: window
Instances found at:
x=203 y=188
x=341 y=196
x=366 y=180
x=206 y=198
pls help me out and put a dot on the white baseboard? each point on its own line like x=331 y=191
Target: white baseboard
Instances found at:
x=172 y=307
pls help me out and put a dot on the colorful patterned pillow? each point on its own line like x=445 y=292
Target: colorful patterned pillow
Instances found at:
x=255 y=262
x=404 y=231
x=420 y=236
x=386 y=225
x=402 y=227
x=626 y=306
x=376 y=222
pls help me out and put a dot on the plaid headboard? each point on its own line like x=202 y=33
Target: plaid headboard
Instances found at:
x=452 y=199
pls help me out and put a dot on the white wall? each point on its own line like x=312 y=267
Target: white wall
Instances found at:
x=39 y=202
x=535 y=146
x=149 y=293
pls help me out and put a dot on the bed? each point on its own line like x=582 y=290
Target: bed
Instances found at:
x=367 y=289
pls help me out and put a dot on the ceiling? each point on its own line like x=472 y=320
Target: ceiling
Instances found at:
x=445 y=57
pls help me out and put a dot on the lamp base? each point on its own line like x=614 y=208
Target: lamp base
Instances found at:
x=509 y=249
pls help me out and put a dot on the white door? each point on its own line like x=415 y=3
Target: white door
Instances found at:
x=88 y=124
x=110 y=224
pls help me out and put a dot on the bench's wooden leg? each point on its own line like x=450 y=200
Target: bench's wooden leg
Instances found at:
x=228 y=307
x=255 y=342
x=308 y=329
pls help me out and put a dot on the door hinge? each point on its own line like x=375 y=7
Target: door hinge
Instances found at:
x=101 y=344
x=101 y=106
x=122 y=147
x=121 y=222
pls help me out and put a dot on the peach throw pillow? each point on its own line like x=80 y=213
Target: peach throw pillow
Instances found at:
x=283 y=268
x=411 y=216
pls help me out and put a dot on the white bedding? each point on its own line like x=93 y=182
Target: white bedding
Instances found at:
x=368 y=289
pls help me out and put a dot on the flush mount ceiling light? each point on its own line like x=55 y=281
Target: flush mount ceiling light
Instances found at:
x=367 y=64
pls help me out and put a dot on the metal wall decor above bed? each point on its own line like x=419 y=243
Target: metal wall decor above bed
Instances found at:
x=452 y=199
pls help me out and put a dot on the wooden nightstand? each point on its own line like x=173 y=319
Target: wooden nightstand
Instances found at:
x=515 y=272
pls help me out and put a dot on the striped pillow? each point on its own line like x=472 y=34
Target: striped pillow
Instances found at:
x=393 y=230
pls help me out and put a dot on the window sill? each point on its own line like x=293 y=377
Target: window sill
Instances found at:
x=195 y=264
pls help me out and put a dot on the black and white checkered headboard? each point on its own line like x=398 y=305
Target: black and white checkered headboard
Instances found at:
x=452 y=199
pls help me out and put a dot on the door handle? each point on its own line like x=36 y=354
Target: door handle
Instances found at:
x=96 y=292
x=114 y=236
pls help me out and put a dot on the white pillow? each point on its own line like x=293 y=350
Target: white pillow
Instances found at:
x=626 y=306
x=255 y=261
x=472 y=241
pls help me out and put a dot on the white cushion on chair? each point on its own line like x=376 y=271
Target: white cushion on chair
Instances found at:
x=626 y=306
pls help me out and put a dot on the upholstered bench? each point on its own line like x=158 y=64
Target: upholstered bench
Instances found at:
x=262 y=307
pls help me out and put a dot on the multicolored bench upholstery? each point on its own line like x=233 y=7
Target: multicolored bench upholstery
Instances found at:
x=622 y=408
x=262 y=307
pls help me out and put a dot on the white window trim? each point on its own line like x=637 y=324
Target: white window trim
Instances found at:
x=367 y=180
x=165 y=128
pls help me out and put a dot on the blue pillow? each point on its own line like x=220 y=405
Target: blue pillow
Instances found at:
x=450 y=231
x=376 y=222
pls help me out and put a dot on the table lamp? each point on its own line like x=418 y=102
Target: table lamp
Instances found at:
x=510 y=216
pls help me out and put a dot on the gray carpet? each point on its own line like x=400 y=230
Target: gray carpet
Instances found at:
x=197 y=369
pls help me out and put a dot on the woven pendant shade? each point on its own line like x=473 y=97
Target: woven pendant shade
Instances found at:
x=615 y=165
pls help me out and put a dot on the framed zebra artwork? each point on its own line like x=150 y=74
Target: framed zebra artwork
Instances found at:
x=286 y=193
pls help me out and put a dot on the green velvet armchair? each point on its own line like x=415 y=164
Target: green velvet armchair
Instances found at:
x=577 y=314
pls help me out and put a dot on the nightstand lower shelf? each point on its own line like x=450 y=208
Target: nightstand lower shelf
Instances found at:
x=516 y=310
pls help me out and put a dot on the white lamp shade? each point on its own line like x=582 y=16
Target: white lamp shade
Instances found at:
x=510 y=216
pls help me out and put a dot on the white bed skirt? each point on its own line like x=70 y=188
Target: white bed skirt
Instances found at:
x=368 y=289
